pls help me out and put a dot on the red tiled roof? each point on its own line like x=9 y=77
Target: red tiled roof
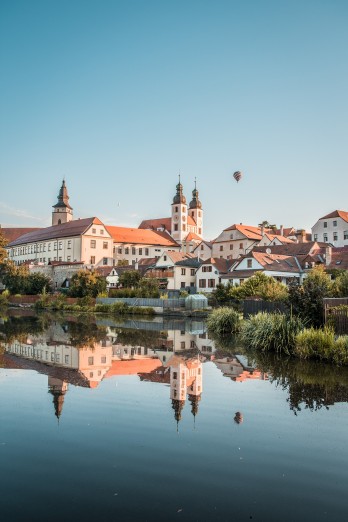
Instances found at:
x=179 y=256
x=138 y=236
x=248 y=231
x=73 y=228
x=154 y=224
x=337 y=213
x=339 y=258
x=11 y=234
x=221 y=264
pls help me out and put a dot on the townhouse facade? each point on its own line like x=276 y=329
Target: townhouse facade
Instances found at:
x=332 y=228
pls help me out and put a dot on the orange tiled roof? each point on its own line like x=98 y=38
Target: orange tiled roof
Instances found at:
x=337 y=213
x=192 y=236
x=248 y=231
x=179 y=256
x=133 y=367
x=339 y=258
x=139 y=236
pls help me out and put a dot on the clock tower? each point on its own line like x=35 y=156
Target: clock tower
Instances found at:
x=179 y=215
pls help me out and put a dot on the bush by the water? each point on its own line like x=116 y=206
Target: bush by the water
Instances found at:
x=322 y=344
x=224 y=320
x=271 y=332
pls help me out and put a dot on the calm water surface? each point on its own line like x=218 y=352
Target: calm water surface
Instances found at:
x=134 y=420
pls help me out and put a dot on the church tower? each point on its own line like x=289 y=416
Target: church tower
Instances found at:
x=62 y=211
x=196 y=211
x=179 y=214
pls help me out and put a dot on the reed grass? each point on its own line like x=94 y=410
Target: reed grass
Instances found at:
x=224 y=320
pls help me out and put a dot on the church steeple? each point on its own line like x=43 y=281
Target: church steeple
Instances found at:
x=62 y=211
x=179 y=215
x=195 y=203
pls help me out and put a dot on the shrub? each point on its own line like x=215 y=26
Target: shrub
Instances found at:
x=4 y=298
x=322 y=344
x=224 y=320
x=271 y=332
x=262 y=286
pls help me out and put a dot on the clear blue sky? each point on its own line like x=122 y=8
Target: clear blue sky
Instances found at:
x=118 y=96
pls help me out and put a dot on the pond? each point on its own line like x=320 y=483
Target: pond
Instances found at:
x=132 y=419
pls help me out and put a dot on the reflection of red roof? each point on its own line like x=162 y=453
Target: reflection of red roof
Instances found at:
x=133 y=367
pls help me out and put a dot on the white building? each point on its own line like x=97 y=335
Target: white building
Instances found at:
x=178 y=268
x=332 y=228
x=209 y=273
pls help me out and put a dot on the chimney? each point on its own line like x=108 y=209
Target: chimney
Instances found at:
x=281 y=230
x=328 y=255
x=300 y=235
x=262 y=230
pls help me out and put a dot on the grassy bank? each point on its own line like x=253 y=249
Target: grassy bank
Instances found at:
x=86 y=305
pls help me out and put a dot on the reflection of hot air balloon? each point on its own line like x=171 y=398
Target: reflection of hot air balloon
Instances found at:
x=237 y=176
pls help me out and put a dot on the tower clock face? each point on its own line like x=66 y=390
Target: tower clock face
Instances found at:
x=176 y=218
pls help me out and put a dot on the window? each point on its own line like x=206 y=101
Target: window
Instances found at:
x=182 y=284
x=192 y=271
x=202 y=247
x=241 y=246
x=126 y=250
x=105 y=245
x=94 y=230
x=176 y=209
x=211 y=283
x=103 y=359
x=221 y=248
x=200 y=231
x=325 y=224
x=105 y=260
x=325 y=238
x=176 y=228
x=202 y=283
x=66 y=359
x=69 y=243
x=315 y=237
x=345 y=234
x=93 y=243
x=164 y=258
x=60 y=245
x=183 y=271
x=335 y=236
x=249 y=263
x=90 y=361
x=183 y=209
x=231 y=247
x=133 y=251
x=140 y=251
x=92 y=260
x=182 y=344
x=334 y=223
x=184 y=227
x=175 y=375
x=119 y=250
x=69 y=258
x=102 y=232
x=60 y=258
x=146 y=251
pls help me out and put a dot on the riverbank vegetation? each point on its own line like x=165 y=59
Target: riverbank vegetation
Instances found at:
x=224 y=320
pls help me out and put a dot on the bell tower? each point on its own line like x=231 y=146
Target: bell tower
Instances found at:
x=196 y=211
x=62 y=211
x=179 y=214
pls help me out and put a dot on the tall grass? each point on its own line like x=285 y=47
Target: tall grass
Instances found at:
x=322 y=344
x=224 y=320
x=271 y=332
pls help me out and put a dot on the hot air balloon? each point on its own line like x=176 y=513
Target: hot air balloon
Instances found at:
x=237 y=176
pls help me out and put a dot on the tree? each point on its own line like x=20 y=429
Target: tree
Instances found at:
x=307 y=299
x=262 y=286
x=86 y=283
x=341 y=284
x=129 y=279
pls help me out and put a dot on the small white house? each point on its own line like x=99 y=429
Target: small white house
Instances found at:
x=332 y=228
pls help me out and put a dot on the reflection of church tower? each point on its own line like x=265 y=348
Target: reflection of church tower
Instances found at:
x=58 y=389
x=179 y=214
x=196 y=211
x=62 y=211
x=177 y=407
x=194 y=400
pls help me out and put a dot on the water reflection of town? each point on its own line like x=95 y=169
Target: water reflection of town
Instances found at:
x=68 y=354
